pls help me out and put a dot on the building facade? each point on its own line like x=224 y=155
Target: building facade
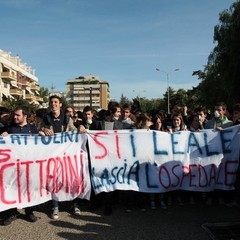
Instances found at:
x=88 y=91
x=17 y=80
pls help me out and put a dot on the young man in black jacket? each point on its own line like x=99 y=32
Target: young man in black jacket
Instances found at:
x=57 y=121
x=19 y=125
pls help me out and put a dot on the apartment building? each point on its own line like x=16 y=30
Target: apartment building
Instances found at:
x=87 y=91
x=17 y=79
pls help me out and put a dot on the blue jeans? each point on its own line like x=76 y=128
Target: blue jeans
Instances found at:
x=55 y=203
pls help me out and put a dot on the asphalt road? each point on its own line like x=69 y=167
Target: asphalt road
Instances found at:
x=176 y=222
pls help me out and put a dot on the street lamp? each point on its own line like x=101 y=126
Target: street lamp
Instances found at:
x=168 y=90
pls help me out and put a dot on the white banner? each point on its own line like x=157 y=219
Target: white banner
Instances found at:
x=35 y=169
x=154 y=161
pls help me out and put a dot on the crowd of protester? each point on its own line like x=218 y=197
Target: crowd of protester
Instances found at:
x=127 y=116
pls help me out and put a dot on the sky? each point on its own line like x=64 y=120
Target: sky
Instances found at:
x=122 y=42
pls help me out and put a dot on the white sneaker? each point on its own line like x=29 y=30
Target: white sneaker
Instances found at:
x=54 y=214
x=77 y=211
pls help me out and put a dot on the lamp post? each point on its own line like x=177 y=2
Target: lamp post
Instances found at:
x=168 y=90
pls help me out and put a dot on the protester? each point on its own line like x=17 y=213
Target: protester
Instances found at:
x=128 y=118
x=219 y=121
x=117 y=118
x=108 y=120
x=177 y=125
x=39 y=116
x=4 y=118
x=236 y=114
x=231 y=196
x=54 y=122
x=203 y=116
x=195 y=124
x=159 y=123
x=136 y=107
x=19 y=126
x=178 y=109
x=70 y=112
x=143 y=121
x=88 y=114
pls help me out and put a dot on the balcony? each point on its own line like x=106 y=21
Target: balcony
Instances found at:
x=39 y=99
x=35 y=87
x=9 y=76
x=26 y=83
x=15 y=92
x=29 y=96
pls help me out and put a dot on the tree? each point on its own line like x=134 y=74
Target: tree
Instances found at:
x=11 y=104
x=169 y=94
x=180 y=97
x=193 y=100
x=221 y=76
x=124 y=100
x=44 y=93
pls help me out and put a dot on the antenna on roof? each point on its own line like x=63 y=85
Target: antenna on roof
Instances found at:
x=52 y=87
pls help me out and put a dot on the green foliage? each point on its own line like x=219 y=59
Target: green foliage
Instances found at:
x=11 y=104
x=124 y=100
x=221 y=76
x=150 y=105
x=44 y=93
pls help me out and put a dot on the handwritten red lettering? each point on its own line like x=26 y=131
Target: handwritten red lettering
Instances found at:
x=19 y=181
x=2 y=188
x=27 y=179
x=59 y=172
x=50 y=174
x=66 y=174
x=40 y=162
x=95 y=137
x=117 y=144
x=5 y=155
x=82 y=171
x=74 y=174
